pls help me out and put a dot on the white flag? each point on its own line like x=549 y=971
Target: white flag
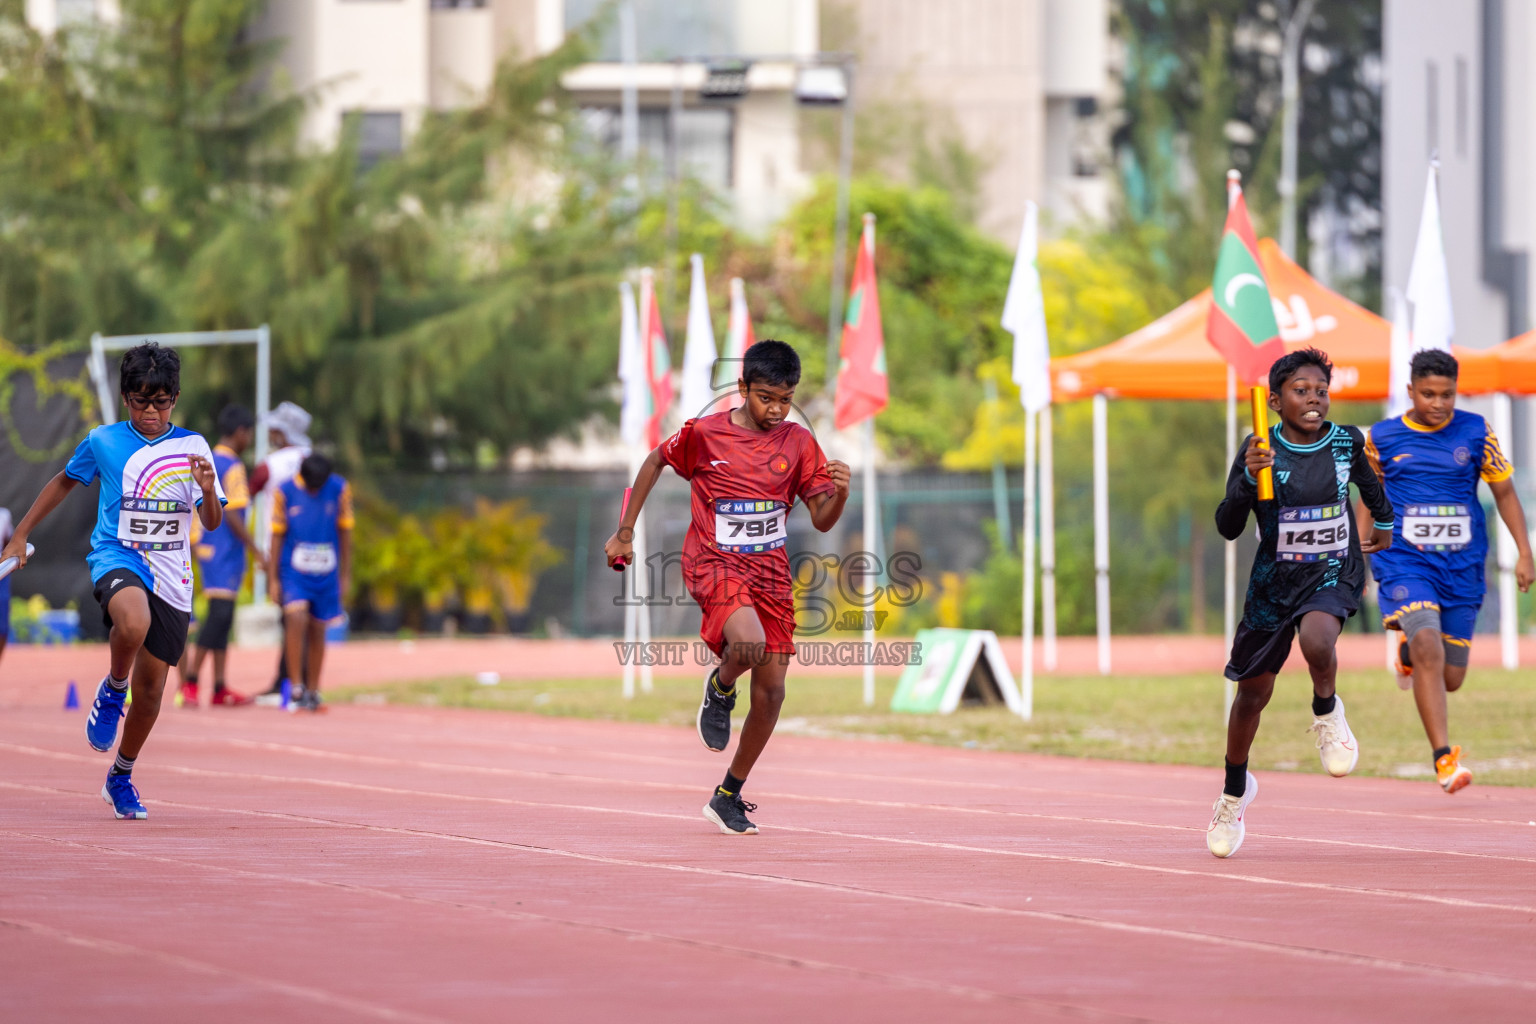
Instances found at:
x=637 y=395
x=1429 y=283
x=699 y=355
x=1024 y=318
x=1400 y=352
x=738 y=338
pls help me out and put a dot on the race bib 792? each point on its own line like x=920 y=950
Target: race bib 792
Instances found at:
x=749 y=526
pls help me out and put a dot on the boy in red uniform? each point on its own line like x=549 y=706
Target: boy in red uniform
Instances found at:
x=746 y=467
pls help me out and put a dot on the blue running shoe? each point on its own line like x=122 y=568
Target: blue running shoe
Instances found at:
x=121 y=793
x=101 y=725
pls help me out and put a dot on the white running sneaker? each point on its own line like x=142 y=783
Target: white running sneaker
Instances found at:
x=1225 y=833
x=1336 y=745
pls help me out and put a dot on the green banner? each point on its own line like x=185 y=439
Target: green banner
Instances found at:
x=924 y=686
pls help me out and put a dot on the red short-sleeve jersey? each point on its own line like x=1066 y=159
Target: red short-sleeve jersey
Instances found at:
x=744 y=483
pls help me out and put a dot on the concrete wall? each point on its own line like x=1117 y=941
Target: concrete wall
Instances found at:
x=1433 y=102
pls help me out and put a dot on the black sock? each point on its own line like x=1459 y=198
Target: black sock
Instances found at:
x=1237 y=779
x=1323 y=705
x=189 y=680
x=123 y=765
x=731 y=786
x=1439 y=753
x=218 y=686
x=117 y=684
x=719 y=687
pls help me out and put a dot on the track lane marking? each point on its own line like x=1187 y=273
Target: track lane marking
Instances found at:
x=185 y=963
x=1388 y=894
x=1329 y=956
x=765 y=956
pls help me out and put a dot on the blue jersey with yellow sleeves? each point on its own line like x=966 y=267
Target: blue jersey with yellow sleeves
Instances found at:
x=1431 y=476
x=223 y=556
x=308 y=526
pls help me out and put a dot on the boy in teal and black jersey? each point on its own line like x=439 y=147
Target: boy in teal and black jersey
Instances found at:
x=1431 y=581
x=1307 y=574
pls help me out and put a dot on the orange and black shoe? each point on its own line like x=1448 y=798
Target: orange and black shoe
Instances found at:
x=1453 y=775
x=1404 y=667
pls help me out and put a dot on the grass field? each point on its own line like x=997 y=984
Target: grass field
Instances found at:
x=1164 y=719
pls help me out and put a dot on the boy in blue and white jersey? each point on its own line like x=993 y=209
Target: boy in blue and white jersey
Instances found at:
x=153 y=476
x=1431 y=578
x=311 y=565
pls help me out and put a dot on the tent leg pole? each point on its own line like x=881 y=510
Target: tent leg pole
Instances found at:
x=1509 y=601
x=1229 y=568
x=1101 y=526
x=1027 y=676
x=1047 y=502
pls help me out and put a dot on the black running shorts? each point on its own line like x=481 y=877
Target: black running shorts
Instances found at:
x=167 y=636
x=1256 y=652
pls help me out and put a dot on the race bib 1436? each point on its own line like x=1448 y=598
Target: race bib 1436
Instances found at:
x=1313 y=533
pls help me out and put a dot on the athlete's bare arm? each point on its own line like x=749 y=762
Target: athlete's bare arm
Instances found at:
x=1508 y=504
x=622 y=544
x=826 y=509
x=48 y=499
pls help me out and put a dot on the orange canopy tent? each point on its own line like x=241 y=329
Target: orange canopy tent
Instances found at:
x=1514 y=365
x=1170 y=358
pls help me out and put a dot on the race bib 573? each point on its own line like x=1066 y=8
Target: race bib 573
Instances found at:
x=152 y=524
x=749 y=526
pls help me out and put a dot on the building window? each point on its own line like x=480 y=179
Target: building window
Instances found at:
x=665 y=29
x=71 y=12
x=704 y=142
x=381 y=134
x=460 y=5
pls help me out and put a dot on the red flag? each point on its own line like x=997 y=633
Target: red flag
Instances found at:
x=862 y=386
x=658 y=359
x=1242 y=324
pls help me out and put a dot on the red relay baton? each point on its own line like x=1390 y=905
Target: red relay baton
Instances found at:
x=621 y=563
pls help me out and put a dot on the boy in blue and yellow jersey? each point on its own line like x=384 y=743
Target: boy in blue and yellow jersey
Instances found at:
x=1431 y=579
x=1307 y=575
x=311 y=565
x=221 y=557
x=153 y=476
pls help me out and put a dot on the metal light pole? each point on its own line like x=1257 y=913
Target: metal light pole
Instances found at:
x=1290 y=94
x=840 y=232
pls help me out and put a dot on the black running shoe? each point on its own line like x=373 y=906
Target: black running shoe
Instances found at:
x=714 y=721
x=730 y=813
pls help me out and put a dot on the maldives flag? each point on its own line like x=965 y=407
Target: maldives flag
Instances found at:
x=1242 y=323
x=658 y=359
x=738 y=338
x=862 y=386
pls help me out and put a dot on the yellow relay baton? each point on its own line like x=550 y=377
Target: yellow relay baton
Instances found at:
x=1260 y=396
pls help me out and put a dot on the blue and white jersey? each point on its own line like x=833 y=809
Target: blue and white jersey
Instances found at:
x=148 y=499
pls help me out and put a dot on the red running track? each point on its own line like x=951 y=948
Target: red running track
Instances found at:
x=399 y=864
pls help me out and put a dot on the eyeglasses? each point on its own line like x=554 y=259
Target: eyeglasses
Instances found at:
x=160 y=402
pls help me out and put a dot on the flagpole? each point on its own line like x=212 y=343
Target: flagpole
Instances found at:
x=1027 y=677
x=1229 y=560
x=871 y=504
x=1047 y=502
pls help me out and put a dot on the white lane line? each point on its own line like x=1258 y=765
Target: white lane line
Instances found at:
x=883 y=779
x=1329 y=956
x=183 y=963
x=321 y=753
x=758 y=955
x=1388 y=894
